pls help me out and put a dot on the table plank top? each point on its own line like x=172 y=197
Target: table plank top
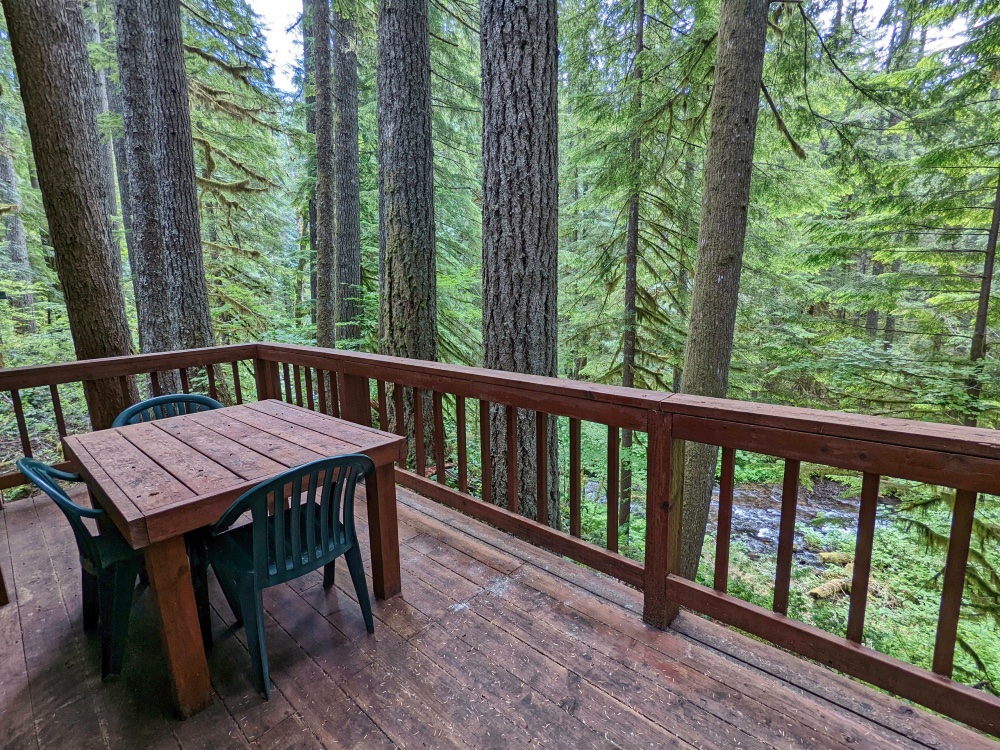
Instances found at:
x=163 y=478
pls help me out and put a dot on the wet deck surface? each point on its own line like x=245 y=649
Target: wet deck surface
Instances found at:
x=493 y=644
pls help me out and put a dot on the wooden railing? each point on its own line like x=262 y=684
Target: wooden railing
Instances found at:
x=370 y=389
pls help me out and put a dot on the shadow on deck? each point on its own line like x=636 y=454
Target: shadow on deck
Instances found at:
x=493 y=644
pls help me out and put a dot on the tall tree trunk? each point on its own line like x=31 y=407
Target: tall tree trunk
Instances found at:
x=309 y=64
x=177 y=179
x=347 y=180
x=121 y=166
x=15 y=237
x=159 y=326
x=721 y=236
x=974 y=385
x=49 y=43
x=520 y=219
x=101 y=101
x=407 y=262
x=631 y=272
x=326 y=312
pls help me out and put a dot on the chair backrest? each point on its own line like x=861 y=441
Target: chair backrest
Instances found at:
x=45 y=477
x=303 y=518
x=161 y=407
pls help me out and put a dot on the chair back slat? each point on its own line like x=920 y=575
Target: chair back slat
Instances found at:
x=45 y=478
x=163 y=407
x=285 y=516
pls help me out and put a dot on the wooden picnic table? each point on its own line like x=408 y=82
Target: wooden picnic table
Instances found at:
x=158 y=480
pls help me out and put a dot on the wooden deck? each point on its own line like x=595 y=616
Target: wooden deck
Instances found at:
x=493 y=644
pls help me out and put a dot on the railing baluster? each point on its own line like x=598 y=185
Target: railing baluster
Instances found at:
x=154 y=384
x=959 y=541
x=212 y=390
x=298 y=384
x=322 y=379
x=542 y=467
x=724 y=529
x=575 y=477
x=512 y=488
x=786 y=536
x=185 y=385
x=614 y=466
x=310 y=402
x=123 y=388
x=288 y=382
x=22 y=426
x=463 y=457
x=236 y=382
x=57 y=408
x=439 y=470
x=486 y=454
x=335 y=393
x=399 y=411
x=863 y=557
x=418 y=432
x=383 y=406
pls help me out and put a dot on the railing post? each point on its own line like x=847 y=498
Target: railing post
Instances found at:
x=355 y=400
x=664 y=506
x=266 y=375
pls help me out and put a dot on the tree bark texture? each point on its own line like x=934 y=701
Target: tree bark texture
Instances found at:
x=49 y=42
x=177 y=179
x=15 y=237
x=520 y=219
x=728 y=167
x=631 y=272
x=408 y=302
x=326 y=310
x=309 y=65
x=156 y=311
x=346 y=172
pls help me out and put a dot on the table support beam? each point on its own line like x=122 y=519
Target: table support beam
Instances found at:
x=383 y=526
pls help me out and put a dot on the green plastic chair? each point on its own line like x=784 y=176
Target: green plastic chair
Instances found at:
x=314 y=530
x=110 y=566
x=161 y=407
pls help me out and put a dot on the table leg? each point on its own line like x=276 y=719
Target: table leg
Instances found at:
x=383 y=526
x=170 y=579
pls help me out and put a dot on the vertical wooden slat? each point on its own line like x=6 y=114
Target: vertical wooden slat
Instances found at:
x=863 y=557
x=512 y=488
x=418 y=432
x=399 y=410
x=322 y=382
x=486 y=454
x=664 y=510
x=383 y=406
x=212 y=391
x=614 y=466
x=335 y=391
x=575 y=477
x=954 y=581
x=439 y=470
x=57 y=409
x=185 y=383
x=154 y=384
x=236 y=383
x=542 y=466
x=786 y=537
x=725 y=526
x=463 y=453
x=297 y=375
x=288 y=382
x=310 y=400
x=22 y=426
x=126 y=392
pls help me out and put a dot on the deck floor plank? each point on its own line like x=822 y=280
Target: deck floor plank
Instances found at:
x=494 y=644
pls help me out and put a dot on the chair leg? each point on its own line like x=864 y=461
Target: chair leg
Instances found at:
x=91 y=601
x=199 y=577
x=232 y=594
x=122 y=578
x=252 y=605
x=329 y=571
x=354 y=564
x=106 y=597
